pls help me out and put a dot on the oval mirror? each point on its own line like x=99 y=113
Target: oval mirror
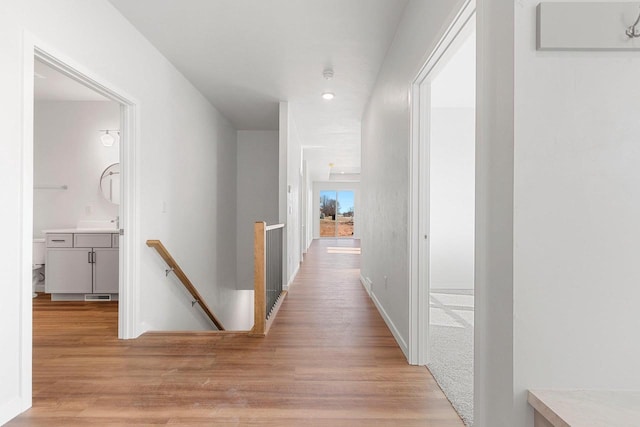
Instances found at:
x=110 y=183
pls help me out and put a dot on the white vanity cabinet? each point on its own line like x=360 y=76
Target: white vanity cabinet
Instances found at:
x=105 y=271
x=81 y=263
x=68 y=271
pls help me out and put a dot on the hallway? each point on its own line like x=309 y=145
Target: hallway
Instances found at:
x=328 y=360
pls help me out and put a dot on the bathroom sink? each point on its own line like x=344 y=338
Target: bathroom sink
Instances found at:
x=102 y=224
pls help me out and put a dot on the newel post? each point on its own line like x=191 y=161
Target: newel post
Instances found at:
x=259 y=281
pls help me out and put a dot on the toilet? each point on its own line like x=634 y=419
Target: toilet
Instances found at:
x=38 y=266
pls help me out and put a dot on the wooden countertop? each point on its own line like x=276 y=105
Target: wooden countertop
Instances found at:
x=592 y=408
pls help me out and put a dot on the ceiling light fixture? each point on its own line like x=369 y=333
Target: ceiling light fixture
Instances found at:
x=328 y=75
x=108 y=139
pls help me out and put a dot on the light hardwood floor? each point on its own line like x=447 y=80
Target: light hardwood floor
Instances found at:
x=329 y=360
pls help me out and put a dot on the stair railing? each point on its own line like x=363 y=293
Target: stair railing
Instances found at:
x=268 y=275
x=175 y=268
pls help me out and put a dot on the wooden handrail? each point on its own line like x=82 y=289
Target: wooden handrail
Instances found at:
x=273 y=227
x=261 y=324
x=166 y=256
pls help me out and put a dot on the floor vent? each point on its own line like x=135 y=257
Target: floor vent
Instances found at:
x=97 y=297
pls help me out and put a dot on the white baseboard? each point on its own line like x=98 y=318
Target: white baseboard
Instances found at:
x=366 y=283
x=392 y=327
x=10 y=410
x=293 y=276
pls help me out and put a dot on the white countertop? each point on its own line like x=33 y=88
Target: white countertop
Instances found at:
x=81 y=230
x=592 y=408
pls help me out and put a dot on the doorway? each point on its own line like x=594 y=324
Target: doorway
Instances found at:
x=337 y=213
x=452 y=224
x=76 y=197
x=442 y=213
x=127 y=256
x=127 y=210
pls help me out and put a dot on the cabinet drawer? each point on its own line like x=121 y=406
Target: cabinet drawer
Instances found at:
x=83 y=240
x=59 y=240
x=115 y=240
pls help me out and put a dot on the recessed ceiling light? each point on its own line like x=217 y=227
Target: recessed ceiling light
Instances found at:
x=328 y=96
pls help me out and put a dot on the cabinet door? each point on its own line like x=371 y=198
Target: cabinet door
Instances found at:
x=105 y=271
x=68 y=271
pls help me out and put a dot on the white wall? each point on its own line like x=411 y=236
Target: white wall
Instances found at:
x=294 y=189
x=385 y=132
x=68 y=151
x=309 y=211
x=452 y=194
x=452 y=165
x=187 y=164
x=290 y=184
x=337 y=186
x=15 y=385
x=576 y=218
x=493 y=338
x=257 y=194
x=557 y=218
x=385 y=160
x=307 y=206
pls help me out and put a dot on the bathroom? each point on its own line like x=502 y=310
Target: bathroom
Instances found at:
x=76 y=179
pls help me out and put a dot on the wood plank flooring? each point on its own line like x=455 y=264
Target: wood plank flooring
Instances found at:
x=329 y=360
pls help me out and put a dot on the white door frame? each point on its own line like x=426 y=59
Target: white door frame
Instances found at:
x=420 y=99
x=129 y=218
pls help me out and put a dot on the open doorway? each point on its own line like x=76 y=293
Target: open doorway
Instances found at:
x=121 y=319
x=443 y=213
x=76 y=197
x=110 y=179
x=452 y=225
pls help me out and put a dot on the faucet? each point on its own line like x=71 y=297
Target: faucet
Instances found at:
x=117 y=222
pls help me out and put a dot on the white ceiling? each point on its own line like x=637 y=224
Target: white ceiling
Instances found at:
x=51 y=85
x=247 y=55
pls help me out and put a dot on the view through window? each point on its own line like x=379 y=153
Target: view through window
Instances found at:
x=336 y=213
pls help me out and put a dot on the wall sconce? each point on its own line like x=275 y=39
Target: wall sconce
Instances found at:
x=108 y=139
